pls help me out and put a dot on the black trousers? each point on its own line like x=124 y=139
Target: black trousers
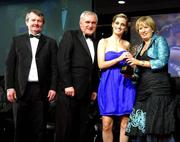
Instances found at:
x=30 y=115
x=72 y=120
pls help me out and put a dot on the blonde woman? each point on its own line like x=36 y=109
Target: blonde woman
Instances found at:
x=152 y=119
x=116 y=93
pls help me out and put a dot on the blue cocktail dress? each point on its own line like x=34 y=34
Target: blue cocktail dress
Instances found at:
x=116 y=93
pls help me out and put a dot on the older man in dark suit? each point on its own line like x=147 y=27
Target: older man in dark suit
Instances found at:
x=78 y=71
x=31 y=73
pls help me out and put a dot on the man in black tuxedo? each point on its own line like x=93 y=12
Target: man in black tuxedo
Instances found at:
x=31 y=78
x=78 y=72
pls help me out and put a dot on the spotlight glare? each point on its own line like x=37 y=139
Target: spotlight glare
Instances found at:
x=121 y=2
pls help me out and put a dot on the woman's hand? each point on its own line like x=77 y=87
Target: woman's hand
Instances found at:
x=132 y=61
x=124 y=55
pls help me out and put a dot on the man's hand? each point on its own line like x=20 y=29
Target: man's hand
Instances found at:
x=93 y=96
x=11 y=95
x=69 y=91
x=51 y=95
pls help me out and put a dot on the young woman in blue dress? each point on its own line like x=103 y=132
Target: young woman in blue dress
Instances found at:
x=116 y=93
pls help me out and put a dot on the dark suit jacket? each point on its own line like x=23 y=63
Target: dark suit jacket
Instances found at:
x=75 y=64
x=19 y=59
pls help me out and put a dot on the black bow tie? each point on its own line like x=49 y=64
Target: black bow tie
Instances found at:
x=89 y=36
x=36 y=36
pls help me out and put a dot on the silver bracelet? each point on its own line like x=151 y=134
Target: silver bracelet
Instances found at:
x=142 y=63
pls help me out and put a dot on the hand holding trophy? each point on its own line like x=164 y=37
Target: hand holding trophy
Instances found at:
x=126 y=69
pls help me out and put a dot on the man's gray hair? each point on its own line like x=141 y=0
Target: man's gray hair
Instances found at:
x=86 y=13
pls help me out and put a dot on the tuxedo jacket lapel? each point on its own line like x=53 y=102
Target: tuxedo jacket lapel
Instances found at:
x=26 y=46
x=40 y=44
x=84 y=43
x=27 y=43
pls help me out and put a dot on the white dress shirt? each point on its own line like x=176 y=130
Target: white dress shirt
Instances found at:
x=33 y=74
x=91 y=48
